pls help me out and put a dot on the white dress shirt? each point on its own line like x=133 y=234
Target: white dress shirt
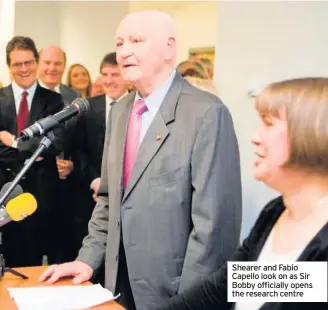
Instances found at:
x=18 y=91
x=109 y=102
x=153 y=102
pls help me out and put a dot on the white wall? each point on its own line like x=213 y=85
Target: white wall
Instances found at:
x=88 y=30
x=7 y=17
x=84 y=29
x=38 y=20
x=269 y=41
x=196 y=26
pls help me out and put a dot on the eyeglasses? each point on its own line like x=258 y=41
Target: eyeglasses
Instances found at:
x=19 y=65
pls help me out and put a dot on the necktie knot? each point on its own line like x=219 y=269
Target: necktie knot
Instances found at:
x=140 y=107
x=24 y=94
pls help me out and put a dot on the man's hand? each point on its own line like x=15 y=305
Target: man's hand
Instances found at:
x=65 y=167
x=95 y=187
x=81 y=272
x=6 y=138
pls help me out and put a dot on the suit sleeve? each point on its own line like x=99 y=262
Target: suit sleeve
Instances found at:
x=11 y=156
x=26 y=148
x=212 y=292
x=94 y=245
x=216 y=196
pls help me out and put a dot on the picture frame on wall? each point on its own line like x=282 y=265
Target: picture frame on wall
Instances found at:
x=202 y=52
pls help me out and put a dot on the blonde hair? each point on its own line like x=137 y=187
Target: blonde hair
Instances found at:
x=304 y=103
x=69 y=79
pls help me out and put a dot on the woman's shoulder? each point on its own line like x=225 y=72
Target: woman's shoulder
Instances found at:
x=271 y=211
x=266 y=219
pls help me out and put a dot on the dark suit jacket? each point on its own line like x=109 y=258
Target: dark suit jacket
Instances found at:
x=71 y=142
x=212 y=294
x=68 y=94
x=42 y=175
x=93 y=128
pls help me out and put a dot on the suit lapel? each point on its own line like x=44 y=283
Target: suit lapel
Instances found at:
x=156 y=134
x=99 y=110
x=9 y=109
x=120 y=138
x=65 y=94
x=37 y=106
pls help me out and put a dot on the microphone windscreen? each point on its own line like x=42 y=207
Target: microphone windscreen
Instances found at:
x=82 y=104
x=21 y=206
x=16 y=191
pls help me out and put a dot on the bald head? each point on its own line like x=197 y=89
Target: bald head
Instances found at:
x=52 y=61
x=155 y=23
x=53 y=49
x=146 y=48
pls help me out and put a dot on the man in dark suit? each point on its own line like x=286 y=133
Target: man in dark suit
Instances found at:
x=95 y=121
x=169 y=206
x=70 y=163
x=92 y=131
x=21 y=104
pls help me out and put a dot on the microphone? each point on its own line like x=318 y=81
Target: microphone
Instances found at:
x=16 y=191
x=18 y=208
x=79 y=106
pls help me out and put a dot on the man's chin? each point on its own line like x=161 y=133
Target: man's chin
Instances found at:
x=25 y=84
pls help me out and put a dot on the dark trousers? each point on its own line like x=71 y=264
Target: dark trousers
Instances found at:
x=123 y=283
x=25 y=242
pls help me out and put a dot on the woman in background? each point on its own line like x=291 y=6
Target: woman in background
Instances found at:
x=206 y=85
x=291 y=148
x=78 y=77
x=192 y=68
x=195 y=73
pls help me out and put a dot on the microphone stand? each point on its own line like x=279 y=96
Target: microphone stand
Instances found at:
x=44 y=144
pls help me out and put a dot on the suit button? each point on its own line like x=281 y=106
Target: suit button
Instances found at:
x=118 y=223
x=116 y=257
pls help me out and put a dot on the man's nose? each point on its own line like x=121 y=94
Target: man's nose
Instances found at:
x=124 y=51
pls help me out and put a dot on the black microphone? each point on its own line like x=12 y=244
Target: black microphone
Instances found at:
x=79 y=106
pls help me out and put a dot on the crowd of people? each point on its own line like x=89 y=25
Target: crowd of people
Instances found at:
x=144 y=191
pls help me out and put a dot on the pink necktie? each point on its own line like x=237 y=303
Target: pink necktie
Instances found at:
x=133 y=139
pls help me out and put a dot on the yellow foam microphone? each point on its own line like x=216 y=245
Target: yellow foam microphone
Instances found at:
x=21 y=207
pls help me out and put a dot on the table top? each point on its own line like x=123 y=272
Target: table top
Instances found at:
x=10 y=280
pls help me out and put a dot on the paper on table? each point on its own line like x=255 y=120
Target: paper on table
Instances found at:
x=60 y=297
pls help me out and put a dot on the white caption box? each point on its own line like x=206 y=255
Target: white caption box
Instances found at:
x=277 y=281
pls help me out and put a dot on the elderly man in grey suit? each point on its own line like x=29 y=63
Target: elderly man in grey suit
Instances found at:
x=169 y=208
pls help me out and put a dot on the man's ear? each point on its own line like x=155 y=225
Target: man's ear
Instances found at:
x=170 y=48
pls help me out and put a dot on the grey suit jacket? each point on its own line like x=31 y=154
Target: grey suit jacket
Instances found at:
x=68 y=94
x=181 y=211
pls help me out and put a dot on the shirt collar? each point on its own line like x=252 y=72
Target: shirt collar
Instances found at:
x=56 y=89
x=155 y=99
x=17 y=90
x=110 y=100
